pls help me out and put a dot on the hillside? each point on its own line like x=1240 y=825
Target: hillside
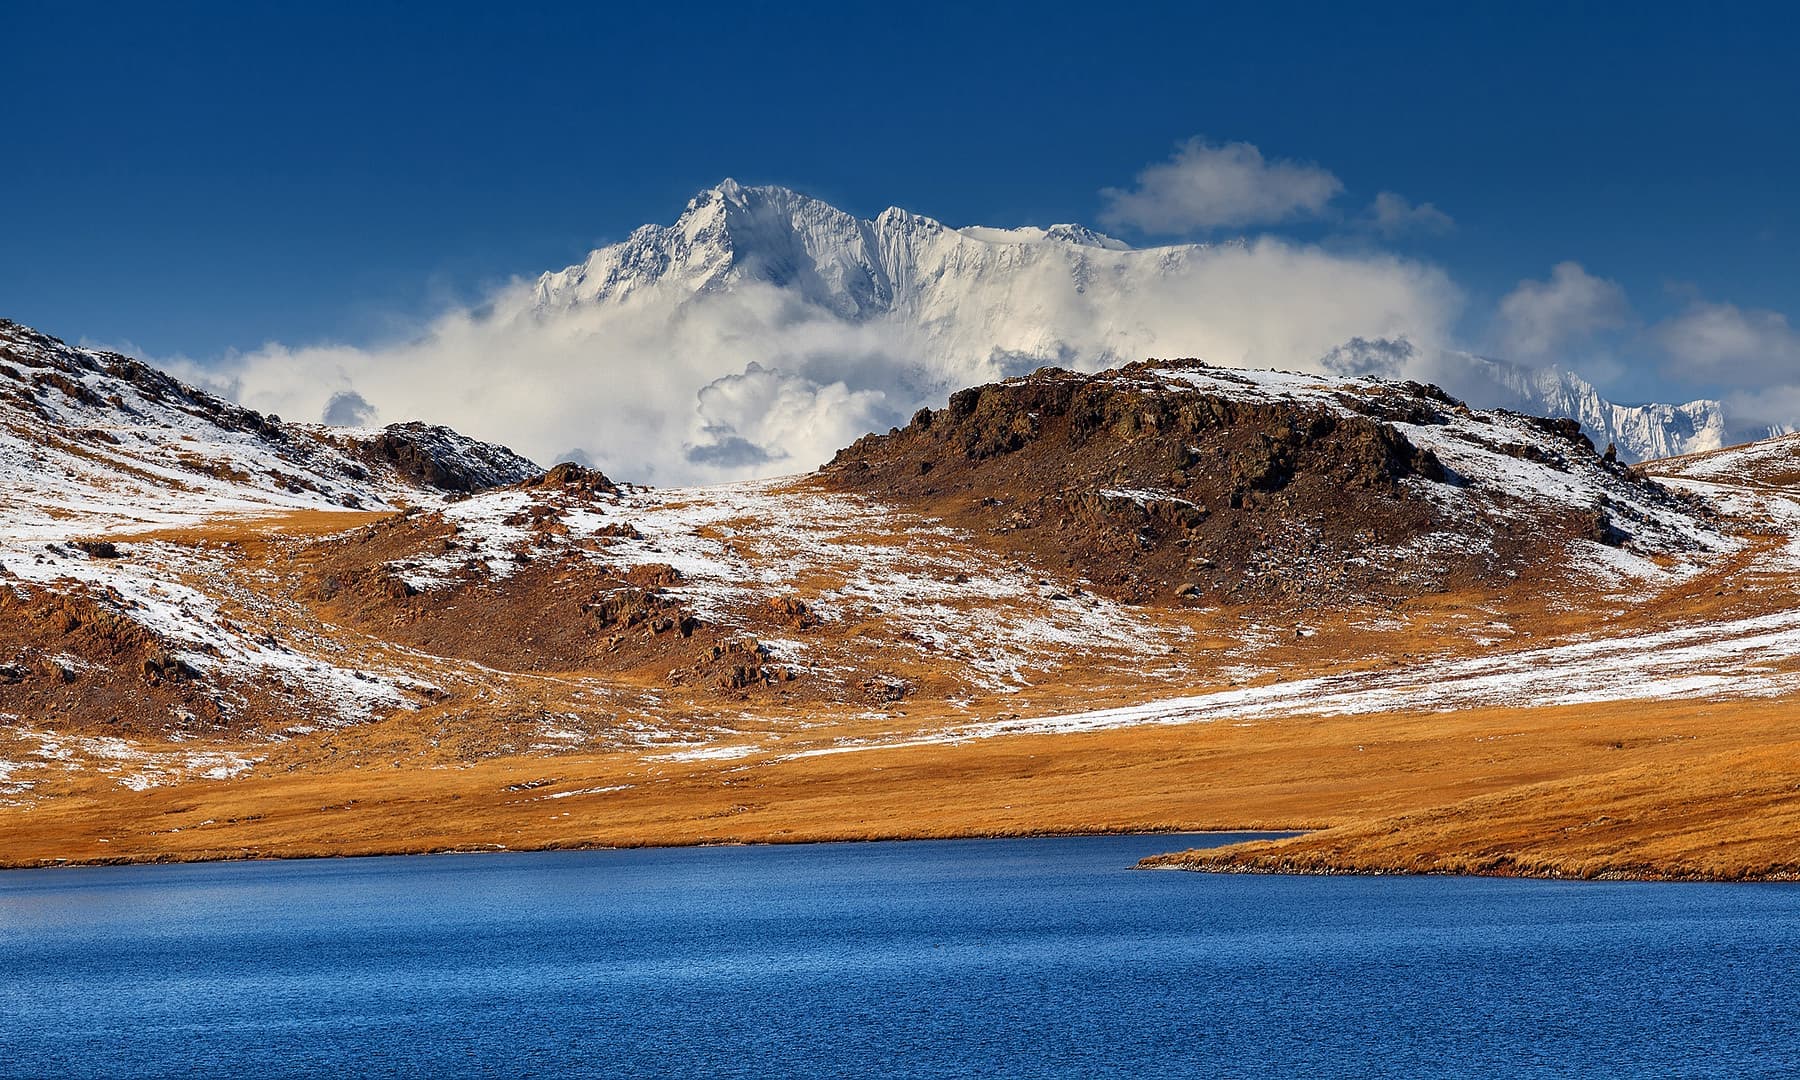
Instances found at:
x=144 y=635
x=1313 y=491
x=109 y=441
x=1051 y=604
x=1707 y=796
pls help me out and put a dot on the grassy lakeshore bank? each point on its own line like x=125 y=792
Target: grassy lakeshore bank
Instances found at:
x=1673 y=790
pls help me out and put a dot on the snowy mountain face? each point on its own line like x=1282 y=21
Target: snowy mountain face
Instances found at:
x=954 y=305
x=946 y=307
x=94 y=440
x=1639 y=432
x=857 y=269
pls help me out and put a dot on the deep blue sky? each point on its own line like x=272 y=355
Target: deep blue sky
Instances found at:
x=194 y=178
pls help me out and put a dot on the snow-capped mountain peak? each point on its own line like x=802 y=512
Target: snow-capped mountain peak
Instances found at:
x=731 y=234
x=902 y=308
x=728 y=234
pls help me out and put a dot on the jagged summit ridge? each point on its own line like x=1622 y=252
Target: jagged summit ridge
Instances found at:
x=963 y=304
x=855 y=268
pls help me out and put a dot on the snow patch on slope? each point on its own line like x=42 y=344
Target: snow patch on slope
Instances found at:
x=93 y=442
x=737 y=545
x=146 y=588
x=1507 y=467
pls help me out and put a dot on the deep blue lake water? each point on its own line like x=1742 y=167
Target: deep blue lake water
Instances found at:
x=960 y=958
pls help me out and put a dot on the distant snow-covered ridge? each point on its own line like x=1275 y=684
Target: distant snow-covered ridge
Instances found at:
x=979 y=303
x=1640 y=432
x=95 y=441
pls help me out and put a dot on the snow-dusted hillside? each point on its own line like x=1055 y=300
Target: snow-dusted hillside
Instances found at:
x=972 y=304
x=1306 y=490
x=96 y=448
x=1755 y=482
x=1499 y=465
x=97 y=441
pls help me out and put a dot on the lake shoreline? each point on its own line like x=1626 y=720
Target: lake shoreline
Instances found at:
x=1205 y=861
x=1211 y=862
x=204 y=856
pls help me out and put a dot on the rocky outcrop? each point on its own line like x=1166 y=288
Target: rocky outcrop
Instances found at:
x=1145 y=487
x=736 y=666
x=434 y=456
x=573 y=479
x=629 y=608
x=1180 y=482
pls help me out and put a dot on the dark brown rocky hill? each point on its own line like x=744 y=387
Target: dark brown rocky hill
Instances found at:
x=1179 y=481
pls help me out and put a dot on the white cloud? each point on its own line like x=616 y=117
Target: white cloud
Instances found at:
x=1275 y=304
x=1383 y=358
x=655 y=390
x=1207 y=186
x=1540 y=317
x=761 y=417
x=1755 y=352
x=672 y=387
x=1753 y=347
x=1768 y=410
x=1393 y=215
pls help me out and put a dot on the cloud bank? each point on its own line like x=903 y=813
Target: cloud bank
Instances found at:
x=673 y=387
x=1757 y=351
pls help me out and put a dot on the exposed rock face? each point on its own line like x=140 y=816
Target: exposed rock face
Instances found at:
x=570 y=477
x=652 y=610
x=431 y=455
x=1176 y=480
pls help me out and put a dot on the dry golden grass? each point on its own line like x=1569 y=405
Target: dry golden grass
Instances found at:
x=1679 y=789
x=1731 y=815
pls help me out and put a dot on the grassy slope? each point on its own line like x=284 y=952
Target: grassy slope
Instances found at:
x=1675 y=790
